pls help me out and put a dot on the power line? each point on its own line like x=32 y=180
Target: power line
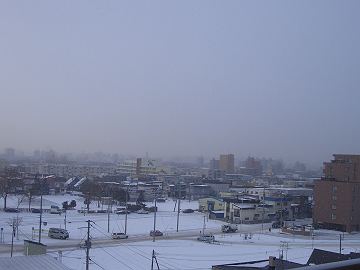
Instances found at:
x=97 y=264
x=116 y=258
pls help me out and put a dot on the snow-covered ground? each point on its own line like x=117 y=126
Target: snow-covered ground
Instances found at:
x=192 y=254
x=138 y=224
x=184 y=253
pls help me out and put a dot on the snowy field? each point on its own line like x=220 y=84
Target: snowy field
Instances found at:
x=192 y=254
x=138 y=224
x=185 y=252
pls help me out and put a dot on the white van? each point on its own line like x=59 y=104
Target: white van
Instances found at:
x=119 y=236
x=55 y=210
x=58 y=233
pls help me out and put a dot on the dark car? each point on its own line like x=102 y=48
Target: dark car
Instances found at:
x=122 y=212
x=12 y=210
x=102 y=211
x=188 y=211
x=156 y=233
x=35 y=210
x=151 y=209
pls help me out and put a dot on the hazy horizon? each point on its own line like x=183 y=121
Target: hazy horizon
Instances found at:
x=185 y=78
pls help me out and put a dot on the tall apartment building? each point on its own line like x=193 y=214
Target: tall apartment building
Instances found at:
x=226 y=163
x=337 y=194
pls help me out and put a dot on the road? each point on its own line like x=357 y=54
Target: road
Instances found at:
x=106 y=241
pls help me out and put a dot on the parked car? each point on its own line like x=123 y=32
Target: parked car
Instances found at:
x=58 y=233
x=206 y=238
x=102 y=211
x=229 y=228
x=188 y=211
x=12 y=210
x=142 y=211
x=156 y=233
x=161 y=200
x=134 y=207
x=119 y=236
x=122 y=212
x=151 y=209
x=55 y=210
x=35 y=210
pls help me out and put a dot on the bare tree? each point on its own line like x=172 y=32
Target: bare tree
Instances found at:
x=15 y=222
x=20 y=199
x=32 y=194
x=4 y=189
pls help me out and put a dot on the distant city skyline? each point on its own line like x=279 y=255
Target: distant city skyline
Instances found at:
x=16 y=154
x=183 y=78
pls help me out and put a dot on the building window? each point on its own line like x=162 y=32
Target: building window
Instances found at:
x=333 y=216
x=334 y=189
x=333 y=207
x=334 y=197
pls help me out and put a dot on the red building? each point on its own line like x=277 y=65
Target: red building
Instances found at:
x=337 y=194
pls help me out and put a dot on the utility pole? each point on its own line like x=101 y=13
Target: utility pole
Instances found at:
x=2 y=235
x=178 y=211
x=12 y=237
x=108 y=219
x=153 y=257
x=126 y=207
x=154 y=230
x=189 y=192
x=263 y=212
x=110 y=209
x=65 y=219
x=41 y=208
x=88 y=245
x=281 y=211
x=340 y=244
x=203 y=232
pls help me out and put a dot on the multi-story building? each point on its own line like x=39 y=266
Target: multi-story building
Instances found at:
x=226 y=163
x=337 y=194
x=137 y=167
x=66 y=170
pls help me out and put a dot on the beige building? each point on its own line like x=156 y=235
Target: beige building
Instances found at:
x=226 y=163
x=248 y=213
x=211 y=204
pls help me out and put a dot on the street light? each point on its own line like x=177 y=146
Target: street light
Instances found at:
x=42 y=180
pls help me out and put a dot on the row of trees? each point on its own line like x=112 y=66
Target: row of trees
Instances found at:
x=6 y=189
x=95 y=192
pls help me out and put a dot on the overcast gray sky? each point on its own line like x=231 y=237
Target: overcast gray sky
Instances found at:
x=266 y=78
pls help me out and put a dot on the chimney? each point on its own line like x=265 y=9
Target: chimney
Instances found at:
x=272 y=262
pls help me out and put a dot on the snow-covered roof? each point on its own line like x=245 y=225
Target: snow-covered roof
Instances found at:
x=82 y=180
x=244 y=206
x=217 y=212
x=69 y=181
x=31 y=263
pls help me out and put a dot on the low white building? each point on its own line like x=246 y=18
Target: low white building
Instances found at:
x=31 y=263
